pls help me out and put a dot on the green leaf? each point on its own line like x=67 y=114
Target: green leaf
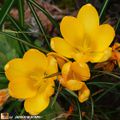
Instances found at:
x=9 y=49
x=5 y=10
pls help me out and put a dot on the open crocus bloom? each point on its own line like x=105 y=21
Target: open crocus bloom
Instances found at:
x=73 y=76
x=83 y=38
x=27 y=79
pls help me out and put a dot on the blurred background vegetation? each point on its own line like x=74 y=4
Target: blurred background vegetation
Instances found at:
x=26 y=24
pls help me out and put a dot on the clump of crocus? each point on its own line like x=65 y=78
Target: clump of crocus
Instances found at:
x=84 y=39
x=73 y=78
x=32 y=77
x=28 y=79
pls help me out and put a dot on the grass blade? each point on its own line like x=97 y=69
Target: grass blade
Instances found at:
x=97 y=83
x=5 y=10
x=24 y=42
x=80 y=115
x=108 y=90
x=56 y=95
x=18 y=28
x=117 y=25
x=38 y=22
x=107 y=73
x=45 y=12
x=21 y=12
x=103 y=9
x=92 y=108
x=87 y=1
x=71 y=92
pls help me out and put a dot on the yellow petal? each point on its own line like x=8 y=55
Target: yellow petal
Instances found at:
x=60 y=59
x=81 y=57
x=72 y=31
x=74 y=85
x=47 y=87
x=22 y=88
x=89 y=18
x=62 y=80
x=35 y=59
x=16 y=68
x=81 y=71
x=60 y=46
x=103 y=37
x=32 y=61
x=52 y=66
x=36 y=104
x=67 y=71
x=101 y=57
x=83 y=94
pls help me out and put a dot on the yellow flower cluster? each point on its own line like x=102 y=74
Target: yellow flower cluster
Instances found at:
x=84 y=40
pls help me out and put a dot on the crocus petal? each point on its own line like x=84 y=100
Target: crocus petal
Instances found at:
x=36 y=104
x=60 y=59
x=103 y=37
x=89 y=18
x=83 y=94
x=60 y=46
x=62 y=80
x=81 y=57
x=36 y=59
x=32 y=61
x=41 y=101
x=22 y=88
x=52 y=66
x=16 y=68
x=103 y=56
x=73 y=85
x=47 y=87
x=81 y=71
x=72 y=31
x=67 y=73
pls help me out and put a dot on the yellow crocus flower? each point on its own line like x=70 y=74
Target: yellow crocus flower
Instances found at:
x=27 y=79
x=73 y=76
x=84 y=39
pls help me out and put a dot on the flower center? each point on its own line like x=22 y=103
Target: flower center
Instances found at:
x=85 y=47
x=38 y=77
